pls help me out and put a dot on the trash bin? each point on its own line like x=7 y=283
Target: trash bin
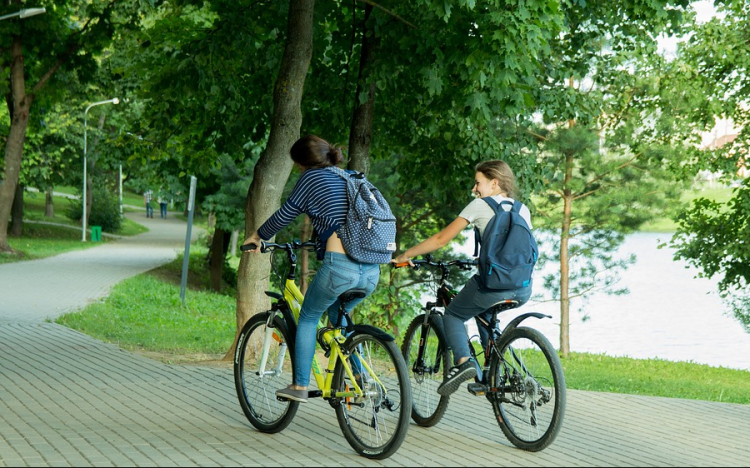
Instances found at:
x=96 y=233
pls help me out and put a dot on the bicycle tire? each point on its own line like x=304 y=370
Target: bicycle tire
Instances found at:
x=376 y=426
x=529 y=403
x=428 y=407
x=257 y=394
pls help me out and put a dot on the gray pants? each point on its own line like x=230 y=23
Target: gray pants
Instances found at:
x=470 y=302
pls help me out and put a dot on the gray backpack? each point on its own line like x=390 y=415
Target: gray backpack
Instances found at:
x=509 y=251
x=369 y=234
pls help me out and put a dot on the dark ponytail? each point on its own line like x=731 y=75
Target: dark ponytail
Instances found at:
x=314 y=152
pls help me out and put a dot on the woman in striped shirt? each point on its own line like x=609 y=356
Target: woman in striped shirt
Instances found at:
x=321 y=194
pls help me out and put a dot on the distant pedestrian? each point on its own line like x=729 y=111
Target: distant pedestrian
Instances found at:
x=162 y=206
x=147 y=196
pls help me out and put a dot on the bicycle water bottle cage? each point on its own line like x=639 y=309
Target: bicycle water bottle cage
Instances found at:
x=322 y=340
x=327 y=334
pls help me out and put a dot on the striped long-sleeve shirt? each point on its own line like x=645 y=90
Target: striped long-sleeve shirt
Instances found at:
x=319 y=193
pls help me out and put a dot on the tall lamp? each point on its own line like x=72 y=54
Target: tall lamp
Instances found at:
x=83 y=224
x=25 y=13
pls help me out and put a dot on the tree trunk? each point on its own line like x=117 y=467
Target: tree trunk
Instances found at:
x=19 y=112
x=274 y=165
x=565 y=261
x=16 y=220
x=49 y=203
x=360 y=132
x=565 y=250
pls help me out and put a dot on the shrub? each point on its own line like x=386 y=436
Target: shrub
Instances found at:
x=105 y=210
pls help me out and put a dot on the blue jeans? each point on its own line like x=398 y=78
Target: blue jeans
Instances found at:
x=336 y=275
x=149 y=210
x=470 y=302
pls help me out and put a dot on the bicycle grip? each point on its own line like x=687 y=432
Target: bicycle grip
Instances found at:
x=246 y=247
x=405 y=264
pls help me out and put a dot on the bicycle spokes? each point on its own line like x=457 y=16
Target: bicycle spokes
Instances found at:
x=527 y=389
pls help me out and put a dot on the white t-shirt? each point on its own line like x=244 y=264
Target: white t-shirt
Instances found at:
x=479 y=213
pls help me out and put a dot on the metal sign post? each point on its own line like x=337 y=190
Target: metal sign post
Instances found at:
x=186 y=258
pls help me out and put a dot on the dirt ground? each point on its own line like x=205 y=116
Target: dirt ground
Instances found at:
x=208 y=360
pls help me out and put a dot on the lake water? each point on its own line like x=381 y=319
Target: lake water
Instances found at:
x=669 y=314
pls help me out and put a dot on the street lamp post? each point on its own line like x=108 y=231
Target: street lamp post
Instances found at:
x=25 y=13
x=83 y=224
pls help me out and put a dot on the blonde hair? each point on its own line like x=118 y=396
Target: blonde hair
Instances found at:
x=500 y=170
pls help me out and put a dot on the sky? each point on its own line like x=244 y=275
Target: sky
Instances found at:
x=704 y=11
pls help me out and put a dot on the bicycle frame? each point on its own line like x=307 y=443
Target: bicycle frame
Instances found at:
x=289 y=307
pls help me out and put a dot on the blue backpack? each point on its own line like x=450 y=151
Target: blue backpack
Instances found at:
x=369 y=233
x=509 y=251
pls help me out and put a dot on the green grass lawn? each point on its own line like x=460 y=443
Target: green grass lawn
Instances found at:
x=40 y=240
x=145 y=313
x=128 y=196
x=718 y=194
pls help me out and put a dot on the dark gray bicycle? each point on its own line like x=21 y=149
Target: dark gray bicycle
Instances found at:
x=521 y=374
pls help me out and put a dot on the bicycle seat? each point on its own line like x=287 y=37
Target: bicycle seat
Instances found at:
x=504 y=305
x=352 y=294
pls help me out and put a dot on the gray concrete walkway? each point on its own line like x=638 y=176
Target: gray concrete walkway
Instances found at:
x=69 y=400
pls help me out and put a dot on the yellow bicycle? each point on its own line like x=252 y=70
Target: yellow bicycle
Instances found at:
x=365 y=379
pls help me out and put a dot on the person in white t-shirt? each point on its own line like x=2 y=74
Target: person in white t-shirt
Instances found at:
x=493 y=178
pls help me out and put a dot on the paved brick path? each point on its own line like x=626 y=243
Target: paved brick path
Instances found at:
x=69 y=400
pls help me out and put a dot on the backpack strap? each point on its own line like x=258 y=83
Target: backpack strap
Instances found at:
x=338 y=171
x=517 y=206
x=495 y=207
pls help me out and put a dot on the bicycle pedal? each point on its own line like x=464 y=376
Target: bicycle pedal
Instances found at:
x=477 y=389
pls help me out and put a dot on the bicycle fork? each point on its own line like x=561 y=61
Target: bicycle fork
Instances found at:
x=269 y=337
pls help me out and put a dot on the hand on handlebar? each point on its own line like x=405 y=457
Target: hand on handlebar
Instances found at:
x=252 y=244
x=402 y=261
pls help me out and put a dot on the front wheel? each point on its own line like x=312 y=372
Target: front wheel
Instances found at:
x=256 y=387
x=428 y=361
x=529 y=388
x=376 y=423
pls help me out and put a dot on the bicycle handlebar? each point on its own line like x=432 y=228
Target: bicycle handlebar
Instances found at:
x=270 y=246
x=428 y=261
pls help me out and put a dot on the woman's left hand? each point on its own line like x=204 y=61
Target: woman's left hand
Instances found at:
x=253 y=239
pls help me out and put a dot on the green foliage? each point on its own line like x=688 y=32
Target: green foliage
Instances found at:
x=714 y=237
x=105 y=209
x=710 y=74
x=228 y=203
x=610 y=195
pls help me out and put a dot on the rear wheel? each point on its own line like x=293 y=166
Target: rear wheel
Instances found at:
x=376 y=423
x=529 y=403
x=256 y=392
x=427 y=372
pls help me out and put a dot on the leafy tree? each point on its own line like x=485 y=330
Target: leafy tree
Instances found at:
x=228 y=208
x=68 y=36
x=264 y=194
x=606 y=140
x=713 y=68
